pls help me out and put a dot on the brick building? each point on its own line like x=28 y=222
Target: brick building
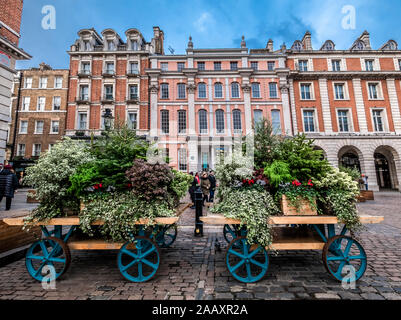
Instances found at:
x=202 y=101
x=10 y=22
x=38 y=121
x=107 y=77
x=349 y=102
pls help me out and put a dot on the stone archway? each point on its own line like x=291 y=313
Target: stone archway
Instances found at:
x=350 y=157
x=324 y=154
x=387 y=170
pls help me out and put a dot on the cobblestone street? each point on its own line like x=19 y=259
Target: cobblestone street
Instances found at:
x=193 y=269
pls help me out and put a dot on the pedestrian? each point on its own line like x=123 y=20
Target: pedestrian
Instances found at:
x=205 y=186
x=212 y=179
x=8 y=184
x=365 y=181
x=195 y=184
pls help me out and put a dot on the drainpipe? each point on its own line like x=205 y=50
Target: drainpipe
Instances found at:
x=16 y=116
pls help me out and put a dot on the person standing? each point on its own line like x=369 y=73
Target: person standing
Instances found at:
x=212 y=179
x=205 y=186
x=8 y=184
x=195 y=184
x=365 y=181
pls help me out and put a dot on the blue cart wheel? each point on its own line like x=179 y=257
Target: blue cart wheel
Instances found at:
x=344 y=258
x=139 y=260
x=229 y=232
x=246 y=264
x=47 y=259
x=166 y=237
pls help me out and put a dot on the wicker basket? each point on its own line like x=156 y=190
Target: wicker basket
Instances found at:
x=305 y=208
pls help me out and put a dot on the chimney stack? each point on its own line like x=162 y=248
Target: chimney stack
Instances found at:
x=307 y=41
x=269 y=45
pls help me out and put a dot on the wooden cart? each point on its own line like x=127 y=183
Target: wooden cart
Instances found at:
x=138 y=259
x=343 y=256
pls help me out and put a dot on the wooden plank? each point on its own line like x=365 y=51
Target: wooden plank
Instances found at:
x=285 y=238
x=93 y=244
x=221 y=220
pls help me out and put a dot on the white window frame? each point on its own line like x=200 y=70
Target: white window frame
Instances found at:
x=252 y=91
x=180 y=66
x=182 y=159
x=231 y=89
x=201 y=63
x=220 y=131
x=184 y=91
x=51 y=127
x=55 y=82
x=270 y=95
x=166 y=85
x=349 y=119
x=129 y=122
x=19 y=150
x=217 y=63
x=307 y=65
x=34 y=149
x=82 y=70
x=315 y=120
x=39 y=105
x=26 y=102
x=165 y=111
x=254 y=118
x=205 y=97
x=375 y=64
x=42 y=82
x=132 y=70
x=205 y=131
x=132 y=85
x=332 y=64
x=378 y=89
x=280 y=129
x=255 y=63
x=28 y=83
x=105 y=67
x=179 y=112
x=384 y=119
x=274 y=65
x=236 y=130
x=20 y=127
x=214 y=90
x=79 y=121
x=345 y=90
x=54 y=103
x=312 y=91
x=80 y=92
x=36 y=126
x=164 y=66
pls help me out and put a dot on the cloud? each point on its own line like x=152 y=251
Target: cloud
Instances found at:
x=203 y=22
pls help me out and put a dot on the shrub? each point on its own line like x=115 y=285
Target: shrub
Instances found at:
x=278 y=173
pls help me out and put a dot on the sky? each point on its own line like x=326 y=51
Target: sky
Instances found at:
x=211 y=23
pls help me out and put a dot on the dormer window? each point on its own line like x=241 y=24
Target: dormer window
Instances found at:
x=110 y=45
x=359 y=45
x=328 y=46
x=87 y=45
x=134 y=45
x=297 y=46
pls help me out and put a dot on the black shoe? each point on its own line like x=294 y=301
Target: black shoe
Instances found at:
x=193 y=207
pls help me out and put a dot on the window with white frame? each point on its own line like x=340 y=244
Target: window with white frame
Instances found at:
x=133 y=68
x=132 y=120
x=181 y=90
x=55 y=126
x=182 y=159
x=109 y=68
x=339 y=90
x=21 y=150
x=273 y=90
x=254 y=65
x=373 y=91
x=309 y=120
x=343 y=121
x=235 y=90
x=41 y=104
x=51 y=145
x=202 y=90
x=202 y=121
x=180 y=66
x=28 y=82
x=399 y=64
x=87 y=45
x=303 y=65
x=58 y=82
x=39 y=126
x=84 y=92
x=165 y=121
x=182 y=121
x=218 y=90
x=164 y=91
x=219 y=121
x=82 y=121
x=336 y=65
x=56 y=103
x=37 y=148
x=42 y=82
x=164 y=66
x=201 y=65
x=271 y=65
x=237 y=125
x=110 y=45
x=276 y=121
x=306 y=92
x=26 y=101
x=378 y=120
x=133 y=91
x=255 y=90
x=233 y=65
x=257 y=116
x=23 y=126
x=369 y=65
x=85 y=67
x=217 y=66
x=134 y=45
x=108 y=92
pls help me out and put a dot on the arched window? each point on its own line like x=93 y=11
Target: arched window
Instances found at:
x=237 y=126
x=297 y=46
x=235 y=90
x=359 y=45
x=202 y=121
x=202 y=90
x=220 y=121
x=218 y=90
x=328 y=45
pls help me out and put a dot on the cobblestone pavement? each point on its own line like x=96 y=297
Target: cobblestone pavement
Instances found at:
x=194 y=269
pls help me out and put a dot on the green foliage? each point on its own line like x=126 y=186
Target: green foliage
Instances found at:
x=303 y=161
x=180 y=184
x=253 y=207
x=50 y=177
x=119 y=211
x=113 y=155
x=296 y=194
x=278 y=172
x=352 y=172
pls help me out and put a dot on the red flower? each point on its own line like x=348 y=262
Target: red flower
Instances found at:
x=253 y=181
x=310 y=183
x=100 y=185
x=95 y=186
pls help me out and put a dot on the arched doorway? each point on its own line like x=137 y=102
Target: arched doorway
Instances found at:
x=382 y=171
x=323 y=156
x=350 y=160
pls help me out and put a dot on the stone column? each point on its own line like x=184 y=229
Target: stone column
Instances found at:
x=154 y=89
x=324 y=95
x=370 y=171
x=360 y=106
x=191 y=109
x=293 y=107
x=246 y=88
x=286 y=109
x=395 y=108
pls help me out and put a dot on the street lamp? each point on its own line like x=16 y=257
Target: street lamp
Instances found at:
x=108 y=119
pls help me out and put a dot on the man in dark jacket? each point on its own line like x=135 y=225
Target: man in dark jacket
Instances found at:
x=212 y=180
x=8 y=184
x=195 y=184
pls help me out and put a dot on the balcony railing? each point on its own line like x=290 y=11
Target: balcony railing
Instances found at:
x=133 y=73
x=108 y=98
x=108 y=73
x=84 y=73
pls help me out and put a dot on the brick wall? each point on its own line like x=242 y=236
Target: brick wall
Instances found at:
x=10 y=14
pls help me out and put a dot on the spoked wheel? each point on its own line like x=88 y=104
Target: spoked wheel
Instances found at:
x=246 y=264
x=230 y=232
x=47 y=258
x=139 y=260
x=344 y=258
x=166 y=237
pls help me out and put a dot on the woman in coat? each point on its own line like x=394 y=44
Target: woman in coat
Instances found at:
x=205 y=186
x=8 y=184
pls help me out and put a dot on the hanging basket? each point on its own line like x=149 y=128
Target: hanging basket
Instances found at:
x=304 y=209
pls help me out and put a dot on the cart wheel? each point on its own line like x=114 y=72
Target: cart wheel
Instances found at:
x=139 y=260
x=343 y=257
x=49 y=252
x=246 y=264
x=167 y=236
x=229 y=232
